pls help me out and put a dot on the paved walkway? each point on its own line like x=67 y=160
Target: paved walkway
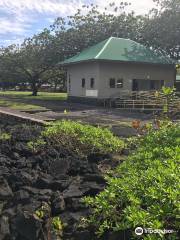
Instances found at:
x=91 y=114
x=21 y=115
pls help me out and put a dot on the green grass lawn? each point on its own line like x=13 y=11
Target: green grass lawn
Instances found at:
x=12 y=99
x=20 y=106
x=41 y=95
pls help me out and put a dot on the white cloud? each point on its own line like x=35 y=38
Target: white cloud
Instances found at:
x=9 y=26
x=50 y=19
x=18 y=16
x=41 y=6
x=7 y=42
x=140 y=7
x=63 y=7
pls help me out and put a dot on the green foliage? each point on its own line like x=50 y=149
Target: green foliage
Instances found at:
x=145 y=189
x=57 y=224
x=39 y=213
x=167 y=91
x=54 y=223
x=169 y=95
x=43 y=211
x=35 y=146
x=81 y=138
x=5 y=136
x=31 y=62
x=161 y=29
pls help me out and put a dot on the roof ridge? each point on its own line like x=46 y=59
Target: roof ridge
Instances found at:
x=102 y=50
x=122 y=38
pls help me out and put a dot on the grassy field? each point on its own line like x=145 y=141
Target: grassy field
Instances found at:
x=20 y=106
x=22 y=100
x=41 y=95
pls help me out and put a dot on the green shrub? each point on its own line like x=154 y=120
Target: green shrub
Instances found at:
x=35 y=146
x=145 y=188
x=82 y=139
x=5 y=136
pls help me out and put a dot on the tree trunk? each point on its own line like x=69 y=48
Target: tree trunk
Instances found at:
x=55 y=86
x=64 y=84
x=34 y=88
x=34 y=92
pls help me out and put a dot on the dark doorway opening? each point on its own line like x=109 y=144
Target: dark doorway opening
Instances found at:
x=135 y=86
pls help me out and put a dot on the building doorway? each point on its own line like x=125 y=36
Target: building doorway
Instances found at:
x=135 y=85
x=146 y=84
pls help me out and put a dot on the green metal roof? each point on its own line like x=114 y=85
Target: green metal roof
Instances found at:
x=119 y=49
x=178 y=78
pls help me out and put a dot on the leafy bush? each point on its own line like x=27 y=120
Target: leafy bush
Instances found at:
x=81 y=138
x=35 y=146
x=4 y=136
x=145 y=188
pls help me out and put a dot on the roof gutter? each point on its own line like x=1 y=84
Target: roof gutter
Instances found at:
x=116 y=61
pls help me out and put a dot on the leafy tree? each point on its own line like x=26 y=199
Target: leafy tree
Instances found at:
x=29 y=61
x=161 y=28
x=56 y=78
x=8 y=78
x=83 y=30
x=168 y=4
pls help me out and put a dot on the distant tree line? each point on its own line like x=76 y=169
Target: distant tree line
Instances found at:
x=35 y=61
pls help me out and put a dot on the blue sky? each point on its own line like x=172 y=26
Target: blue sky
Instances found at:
x=23 y=18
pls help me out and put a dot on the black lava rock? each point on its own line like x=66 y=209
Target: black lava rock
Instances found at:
x=52 y=176
x=5 y=190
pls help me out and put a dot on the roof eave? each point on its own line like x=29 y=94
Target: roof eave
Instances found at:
x=120 y=61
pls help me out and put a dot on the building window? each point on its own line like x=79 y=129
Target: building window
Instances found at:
x=92 y=83
x=120 y=83
x=112 y=82
x=83 y=83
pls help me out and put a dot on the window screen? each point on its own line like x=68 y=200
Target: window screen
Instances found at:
x=69 y=82
x=112 y=82
x=92 y=83
x=83 y=83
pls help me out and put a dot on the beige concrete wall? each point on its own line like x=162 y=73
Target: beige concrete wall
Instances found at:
x=103 y=71
x=79 y=71
x=128 y=72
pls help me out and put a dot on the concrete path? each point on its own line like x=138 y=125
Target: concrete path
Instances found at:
x=89 y=114
x=25 y=116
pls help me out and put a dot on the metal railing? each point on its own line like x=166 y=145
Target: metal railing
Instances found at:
x=143 y=100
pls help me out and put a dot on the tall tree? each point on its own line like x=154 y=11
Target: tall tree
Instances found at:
x=93 y=25
x=162 y=28
x=31 y=59
x=9 y=77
